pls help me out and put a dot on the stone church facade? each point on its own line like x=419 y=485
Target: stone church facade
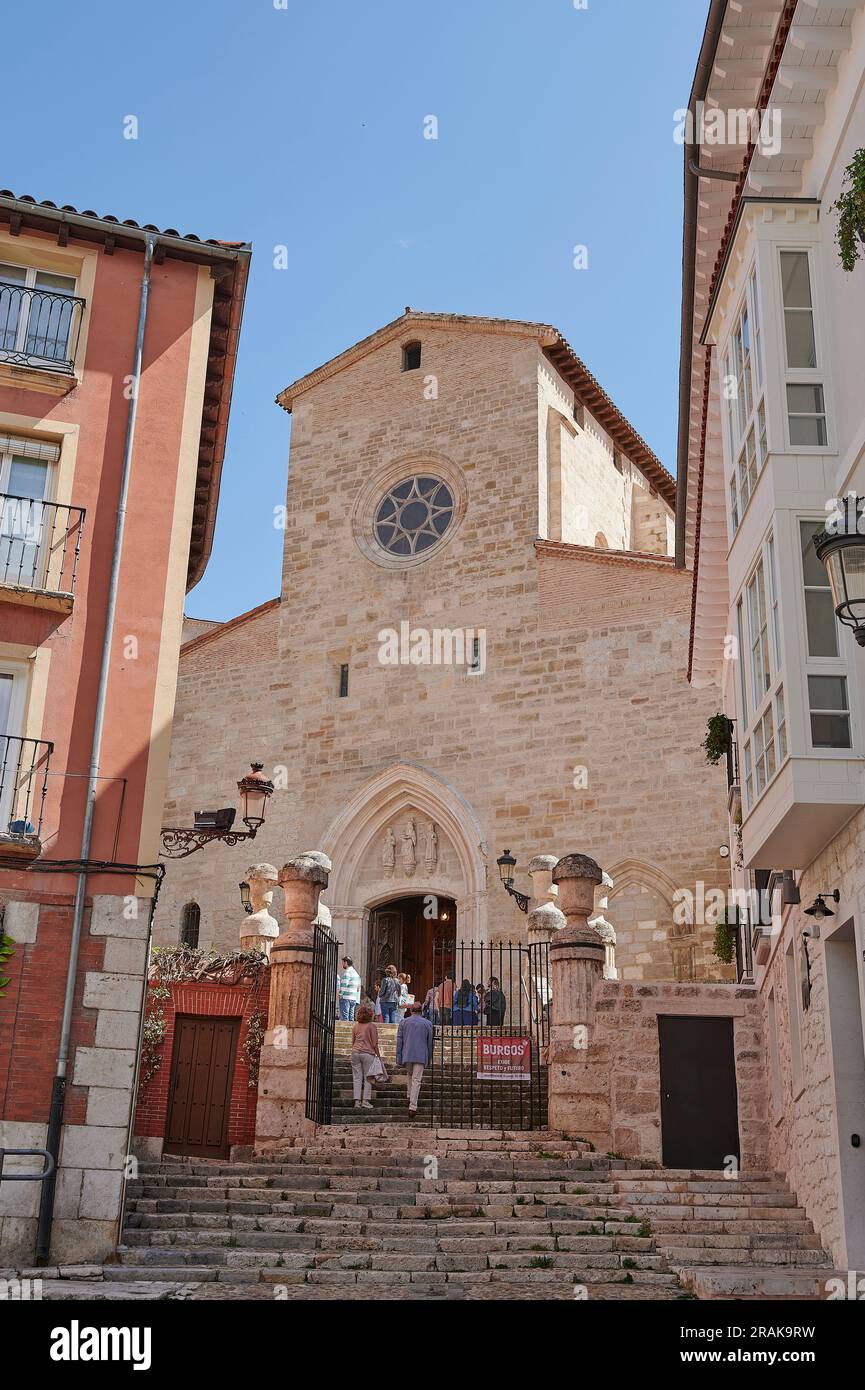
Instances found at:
x=479 y=645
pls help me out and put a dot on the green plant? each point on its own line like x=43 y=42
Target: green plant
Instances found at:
x=7 y=949
x=628 y=1279
x=850 y=207
x=725 y=942
x=717 y=739
x=541 y=1262
x=611 y=1153
x=645 y=1231
x=629 y=1263
x=153 y=1037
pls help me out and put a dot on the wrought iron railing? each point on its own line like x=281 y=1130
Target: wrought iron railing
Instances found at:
x=23 y=784
x=39 y=544
x=322 y=1021
x=744 y=950
x=732 y=755
x=39 y=328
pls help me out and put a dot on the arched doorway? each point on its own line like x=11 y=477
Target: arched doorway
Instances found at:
x=404 y=932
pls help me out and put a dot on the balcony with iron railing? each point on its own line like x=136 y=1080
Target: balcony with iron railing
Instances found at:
x=23 y=787
x=39 y=329
x=40 y=543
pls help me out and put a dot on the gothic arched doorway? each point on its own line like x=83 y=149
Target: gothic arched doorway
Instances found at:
x=402 y=932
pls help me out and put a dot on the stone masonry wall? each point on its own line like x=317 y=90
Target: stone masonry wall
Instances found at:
x=803 y=1133
x=583 y=663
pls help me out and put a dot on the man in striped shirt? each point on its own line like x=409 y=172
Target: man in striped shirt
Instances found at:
x=349 y=990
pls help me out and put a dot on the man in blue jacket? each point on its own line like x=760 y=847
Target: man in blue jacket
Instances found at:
x=414 y=1049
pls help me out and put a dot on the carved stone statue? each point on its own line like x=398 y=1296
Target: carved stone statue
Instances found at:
x=409 y=844
x=431 y=848
x=258 y=928
x=388 y=853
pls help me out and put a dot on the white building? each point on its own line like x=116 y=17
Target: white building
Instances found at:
x=772 y=428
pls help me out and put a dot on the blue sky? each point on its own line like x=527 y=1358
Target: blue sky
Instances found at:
x=303 y=127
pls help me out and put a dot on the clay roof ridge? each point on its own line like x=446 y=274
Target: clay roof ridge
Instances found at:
x=229 y=625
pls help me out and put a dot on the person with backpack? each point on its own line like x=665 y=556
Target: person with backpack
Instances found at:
x=388 y=994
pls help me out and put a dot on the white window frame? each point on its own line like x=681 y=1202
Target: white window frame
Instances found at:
x=763 y=714
x=29 y=283
x=803 y=376
x=16 y=724
x=744 y=428
x=16 y=521
x=820 y=665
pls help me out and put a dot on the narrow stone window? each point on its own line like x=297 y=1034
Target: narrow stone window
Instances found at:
x=411 y=357
x=343 y=680
x=190 y=921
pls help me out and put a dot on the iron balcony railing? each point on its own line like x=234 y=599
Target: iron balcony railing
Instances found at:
x=744 y=951
x=39 y=544
x=39 y=328
x=23 y=784
x=732 y=755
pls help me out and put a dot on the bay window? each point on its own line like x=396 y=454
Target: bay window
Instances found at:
x=806 y=409
x=828 y=704
x=765 y=727
x=746 y=412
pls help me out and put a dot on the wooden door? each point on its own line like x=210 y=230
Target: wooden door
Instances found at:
x=385 y=944
x=699 y=1106
x=202 y=1069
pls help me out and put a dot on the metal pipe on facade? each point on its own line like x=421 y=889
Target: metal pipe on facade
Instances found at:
x=708 y=51
x=58 y=1088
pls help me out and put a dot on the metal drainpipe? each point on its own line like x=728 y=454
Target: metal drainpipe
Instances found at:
x=58 y=1088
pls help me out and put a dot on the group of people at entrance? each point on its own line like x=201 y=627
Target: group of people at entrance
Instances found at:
x=467 y=1006
x=392 y=1000
x=414 y=1045
x=463 y=1007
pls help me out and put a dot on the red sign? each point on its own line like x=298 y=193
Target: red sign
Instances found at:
x=504 y=1059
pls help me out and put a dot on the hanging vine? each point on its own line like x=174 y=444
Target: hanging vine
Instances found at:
x=171 y=965
x=252 y=1044
x=7 y=949
x=850 y=207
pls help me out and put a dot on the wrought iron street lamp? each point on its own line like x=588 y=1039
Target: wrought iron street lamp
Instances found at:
x=245 y=897
x=255 y=790
x=841 y=548
x=507 y=863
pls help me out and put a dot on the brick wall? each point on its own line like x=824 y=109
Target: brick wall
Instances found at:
x=204 y=999
x=101 y=1065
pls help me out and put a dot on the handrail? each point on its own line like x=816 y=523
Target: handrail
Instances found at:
x=47 y=1170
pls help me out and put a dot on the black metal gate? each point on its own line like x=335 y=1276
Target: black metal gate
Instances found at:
x=322 y=1020
x=491 y=1017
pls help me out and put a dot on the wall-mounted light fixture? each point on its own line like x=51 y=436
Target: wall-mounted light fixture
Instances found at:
x=841 y=548
x=245 y=897
x=255 y=790
x=507 y=863
x=820 y=908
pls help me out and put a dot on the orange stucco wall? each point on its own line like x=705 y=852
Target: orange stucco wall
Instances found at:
x=98 y=406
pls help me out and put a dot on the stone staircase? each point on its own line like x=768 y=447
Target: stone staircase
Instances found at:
x=395 y=1211
x=729 y=1237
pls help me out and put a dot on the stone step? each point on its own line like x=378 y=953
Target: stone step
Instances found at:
x=773 y=1282
x=679 y=1255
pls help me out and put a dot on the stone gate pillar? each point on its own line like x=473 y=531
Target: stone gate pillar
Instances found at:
x=281 y=1111
x=578 y=1069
